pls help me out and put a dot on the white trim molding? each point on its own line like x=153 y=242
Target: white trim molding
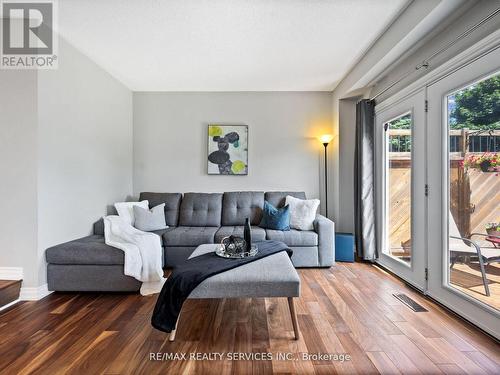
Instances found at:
x=34 y=294
x=11 y=273
x=5 y=307
x=482 y=47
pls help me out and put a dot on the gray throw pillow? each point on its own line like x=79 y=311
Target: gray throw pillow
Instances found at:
x=149 y=220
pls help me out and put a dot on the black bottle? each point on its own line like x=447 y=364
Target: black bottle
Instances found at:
x=247 y=234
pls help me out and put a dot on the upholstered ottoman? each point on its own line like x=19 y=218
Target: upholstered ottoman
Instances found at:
x=272 y=276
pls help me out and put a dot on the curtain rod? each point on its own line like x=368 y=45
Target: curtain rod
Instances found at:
x=425 y=63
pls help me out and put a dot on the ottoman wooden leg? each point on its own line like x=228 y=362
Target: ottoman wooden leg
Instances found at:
x=171 y=336
x=294 y=318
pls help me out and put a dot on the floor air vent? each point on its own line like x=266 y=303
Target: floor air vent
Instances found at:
x=409 y=302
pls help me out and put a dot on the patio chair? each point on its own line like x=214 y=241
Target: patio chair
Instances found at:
x=461 y=246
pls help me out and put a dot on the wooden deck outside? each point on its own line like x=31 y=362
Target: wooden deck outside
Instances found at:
x=467 y=278
x=484 y=191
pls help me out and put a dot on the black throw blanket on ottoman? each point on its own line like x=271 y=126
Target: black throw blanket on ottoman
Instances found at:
x=185 y=278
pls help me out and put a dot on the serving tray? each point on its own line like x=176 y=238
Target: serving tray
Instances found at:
x=221 y=251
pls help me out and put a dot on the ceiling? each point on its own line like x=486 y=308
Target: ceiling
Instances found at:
x=226 y=45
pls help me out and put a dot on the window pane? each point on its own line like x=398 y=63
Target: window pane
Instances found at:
x=474 y=191
x=398 y=186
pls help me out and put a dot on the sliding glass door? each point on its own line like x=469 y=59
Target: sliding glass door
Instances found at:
x=464 y=198
x=400 y=186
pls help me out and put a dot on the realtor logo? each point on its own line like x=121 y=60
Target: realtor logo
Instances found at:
x=28 y=37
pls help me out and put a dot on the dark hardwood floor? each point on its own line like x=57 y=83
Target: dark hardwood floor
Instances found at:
x=346 y=309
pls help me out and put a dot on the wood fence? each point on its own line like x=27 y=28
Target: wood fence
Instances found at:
x=474 y=195
x=474 y=201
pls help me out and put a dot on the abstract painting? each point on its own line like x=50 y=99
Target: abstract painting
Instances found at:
x=228 y=149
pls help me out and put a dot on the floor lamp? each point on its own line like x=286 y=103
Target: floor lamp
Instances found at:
x=326 y=139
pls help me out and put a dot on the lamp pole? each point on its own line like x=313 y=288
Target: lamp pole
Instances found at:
x=326 y=181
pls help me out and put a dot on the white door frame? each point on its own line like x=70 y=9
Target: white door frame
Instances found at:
x=414 y=103
x=472 y=309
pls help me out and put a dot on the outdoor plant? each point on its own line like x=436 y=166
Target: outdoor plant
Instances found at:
x=487 y=162
x=493 y=228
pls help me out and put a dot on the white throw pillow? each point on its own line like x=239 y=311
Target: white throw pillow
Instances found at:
x=150 y=220
x=126 y=210
x=302 y=212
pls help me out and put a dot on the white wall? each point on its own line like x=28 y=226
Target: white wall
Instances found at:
x=84 y=148
x=170 y=140
x=18 y=171
x=65 y=155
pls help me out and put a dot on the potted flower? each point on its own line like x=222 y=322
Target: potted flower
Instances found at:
x=485 y=165
x=493 y=229
x=488 y=162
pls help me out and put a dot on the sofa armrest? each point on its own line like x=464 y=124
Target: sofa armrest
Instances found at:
x=325 y=228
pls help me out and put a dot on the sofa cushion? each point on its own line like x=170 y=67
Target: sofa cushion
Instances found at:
x=275 y=218
x=201 y=210
x=302 y=212
x=293 y=237
x=189 y=236
x=172 y=204
x=126 y=210
x=161 y=232
x=258 y=234
x=86 y=250
x=238 y=205
x=277 y=198
x=148 y=220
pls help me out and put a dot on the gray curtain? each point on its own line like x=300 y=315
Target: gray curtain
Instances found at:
x=364 y=179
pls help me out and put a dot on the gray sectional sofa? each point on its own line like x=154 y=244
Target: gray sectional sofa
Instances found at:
x=88 y=264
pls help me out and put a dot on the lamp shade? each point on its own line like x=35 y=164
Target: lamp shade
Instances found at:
x=325 y=138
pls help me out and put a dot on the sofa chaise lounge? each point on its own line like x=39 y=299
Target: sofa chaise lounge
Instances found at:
x=88 y=264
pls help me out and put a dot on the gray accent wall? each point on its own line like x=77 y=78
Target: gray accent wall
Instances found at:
x=170 y=140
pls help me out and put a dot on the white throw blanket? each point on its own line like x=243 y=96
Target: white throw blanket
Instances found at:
x=143 y=252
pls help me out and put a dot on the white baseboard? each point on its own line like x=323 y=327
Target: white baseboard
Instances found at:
x=11 y=273
x=9 y=304
x=34 y=294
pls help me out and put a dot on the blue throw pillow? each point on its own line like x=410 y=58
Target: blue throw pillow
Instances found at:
x=275 y=218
